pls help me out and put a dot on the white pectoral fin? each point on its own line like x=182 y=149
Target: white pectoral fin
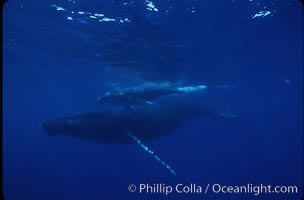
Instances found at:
x=156 y=157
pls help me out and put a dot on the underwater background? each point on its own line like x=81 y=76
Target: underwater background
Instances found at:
x=59 y=56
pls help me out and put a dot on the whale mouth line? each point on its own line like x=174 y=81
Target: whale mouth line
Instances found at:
x=48 y=128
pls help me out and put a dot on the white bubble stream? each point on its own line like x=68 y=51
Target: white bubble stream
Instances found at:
x=138 y=141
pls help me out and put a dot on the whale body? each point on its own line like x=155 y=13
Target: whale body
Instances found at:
x=147 y=122
x=146 y=93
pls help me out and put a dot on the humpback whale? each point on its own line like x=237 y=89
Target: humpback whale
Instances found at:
x=147 y=122
x=136 y=115
x=146 y=93
x=133 y=124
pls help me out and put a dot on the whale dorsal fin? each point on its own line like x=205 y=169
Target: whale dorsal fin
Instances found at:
x=156 y=157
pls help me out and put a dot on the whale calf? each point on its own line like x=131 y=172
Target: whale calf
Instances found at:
x=146 y=93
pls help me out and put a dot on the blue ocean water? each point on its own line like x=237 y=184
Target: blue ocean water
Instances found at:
x=59 y=56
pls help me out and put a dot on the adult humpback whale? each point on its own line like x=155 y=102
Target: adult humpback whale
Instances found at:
x=132 y=124
x=111 y=125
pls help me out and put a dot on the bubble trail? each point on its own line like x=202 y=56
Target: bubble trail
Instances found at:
x=156 y=157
